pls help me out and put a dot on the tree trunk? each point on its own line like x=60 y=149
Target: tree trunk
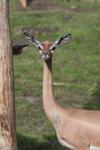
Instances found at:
x=7 y=103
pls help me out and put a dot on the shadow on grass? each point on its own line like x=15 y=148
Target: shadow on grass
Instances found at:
x=92 y=105
x=47 y=142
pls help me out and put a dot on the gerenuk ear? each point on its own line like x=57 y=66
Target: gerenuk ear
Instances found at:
x=33 y=40
x=60 y=41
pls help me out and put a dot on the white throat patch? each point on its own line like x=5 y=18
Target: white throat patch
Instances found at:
x=94 y=148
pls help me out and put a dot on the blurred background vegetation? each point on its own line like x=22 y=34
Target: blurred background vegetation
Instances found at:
x=76 y=65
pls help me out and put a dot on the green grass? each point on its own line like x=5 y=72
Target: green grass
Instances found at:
x=75 y=65
x=38 y=143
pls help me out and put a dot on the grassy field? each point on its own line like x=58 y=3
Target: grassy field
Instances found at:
x=76 y=66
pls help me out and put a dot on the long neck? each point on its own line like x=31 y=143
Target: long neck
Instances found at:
x=48 y=97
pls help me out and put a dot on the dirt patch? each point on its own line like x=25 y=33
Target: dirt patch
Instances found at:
x=37 y=5
x=39 y=31
x=32 y=99
x=49 y=5
x=41 y=4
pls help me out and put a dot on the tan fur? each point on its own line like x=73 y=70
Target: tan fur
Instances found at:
x=76 y=128
x=46 y=45
x=24 y=3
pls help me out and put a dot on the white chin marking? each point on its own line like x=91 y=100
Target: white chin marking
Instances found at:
x=94 y=148
x=45 y=57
